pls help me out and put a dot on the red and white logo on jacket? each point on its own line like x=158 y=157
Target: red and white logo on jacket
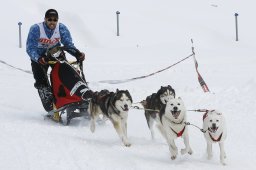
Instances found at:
x=44 y=41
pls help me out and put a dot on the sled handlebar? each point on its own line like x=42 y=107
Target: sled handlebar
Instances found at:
x=54 y=62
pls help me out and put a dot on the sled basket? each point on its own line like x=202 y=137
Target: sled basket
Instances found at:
x=67 y=84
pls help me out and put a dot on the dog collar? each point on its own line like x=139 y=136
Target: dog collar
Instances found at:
x=215 y=140
x=180 y=133
x=179 y=122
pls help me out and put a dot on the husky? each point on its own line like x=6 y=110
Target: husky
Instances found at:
x=114 y=106
x=173 y=118
x=215 y=130
x=153 y=105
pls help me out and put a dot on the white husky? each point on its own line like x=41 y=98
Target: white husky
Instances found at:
x=173 y=118
x=215 y=132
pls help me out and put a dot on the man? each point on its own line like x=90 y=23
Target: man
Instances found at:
x=42 y=37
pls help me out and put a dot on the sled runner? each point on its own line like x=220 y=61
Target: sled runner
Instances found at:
x=68 y=84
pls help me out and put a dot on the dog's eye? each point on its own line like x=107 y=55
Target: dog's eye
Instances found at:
x=217 y=120
x=171 y=104
x=178 y=103
x=210 y=120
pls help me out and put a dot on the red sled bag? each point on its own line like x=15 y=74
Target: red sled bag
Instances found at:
x=67 y=84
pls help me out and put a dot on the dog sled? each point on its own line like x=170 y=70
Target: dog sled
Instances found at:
x=67 y=85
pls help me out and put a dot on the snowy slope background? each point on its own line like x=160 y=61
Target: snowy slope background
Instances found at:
x=153 y=35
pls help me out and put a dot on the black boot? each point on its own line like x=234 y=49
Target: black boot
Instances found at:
x=46 y=97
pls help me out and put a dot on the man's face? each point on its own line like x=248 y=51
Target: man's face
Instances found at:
x=51 y=22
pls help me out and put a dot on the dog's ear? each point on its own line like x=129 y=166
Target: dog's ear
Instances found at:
x=143 y=103
x=217 y=112
x=129 y=94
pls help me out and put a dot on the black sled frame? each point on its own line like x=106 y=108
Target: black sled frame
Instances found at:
x=70 y=111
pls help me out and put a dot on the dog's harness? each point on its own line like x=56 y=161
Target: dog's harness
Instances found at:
x=111 y=105
x=107 y=105
x=215 y=140
x=180 y=133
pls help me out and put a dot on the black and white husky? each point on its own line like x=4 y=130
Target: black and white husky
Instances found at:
x=215 y=132
x=173 y=118
x=153 y=105
x=115 y=106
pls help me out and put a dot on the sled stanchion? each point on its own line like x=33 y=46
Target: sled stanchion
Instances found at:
x=236 y=15
x=82 y=71
x=117 y=22
x=20 y=44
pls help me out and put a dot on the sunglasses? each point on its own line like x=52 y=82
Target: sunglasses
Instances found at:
x=52 y=19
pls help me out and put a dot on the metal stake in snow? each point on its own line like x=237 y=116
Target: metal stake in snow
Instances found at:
x=20 y=45
x=236 y=14
x=117 y=21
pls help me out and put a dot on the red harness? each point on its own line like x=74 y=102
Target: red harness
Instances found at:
x=216 y=140
x=180 y=133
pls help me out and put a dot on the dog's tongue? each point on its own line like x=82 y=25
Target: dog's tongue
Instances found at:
x=125 y=109
x=176 y=114
x=214 y=129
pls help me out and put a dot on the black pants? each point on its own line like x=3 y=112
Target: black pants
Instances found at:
x=40 y=74
x=42 y=84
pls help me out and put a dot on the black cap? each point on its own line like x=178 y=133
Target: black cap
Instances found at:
x=51 y=13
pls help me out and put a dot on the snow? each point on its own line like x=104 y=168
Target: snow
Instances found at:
x=153 y=35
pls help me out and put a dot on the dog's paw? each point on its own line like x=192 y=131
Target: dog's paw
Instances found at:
x=184 y=151
x=222 y=159
x=190 y=152
x=127 y=144
x=173 y=157
x=223 y=163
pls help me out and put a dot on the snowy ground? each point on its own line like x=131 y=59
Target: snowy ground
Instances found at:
x=153 y=35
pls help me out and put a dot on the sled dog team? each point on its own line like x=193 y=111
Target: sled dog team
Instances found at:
x=165 y=110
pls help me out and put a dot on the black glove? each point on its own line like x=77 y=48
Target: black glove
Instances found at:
x=75 y=52
x=42 y=60
x=87 y=95
x=81 y=57
x=90 y=95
